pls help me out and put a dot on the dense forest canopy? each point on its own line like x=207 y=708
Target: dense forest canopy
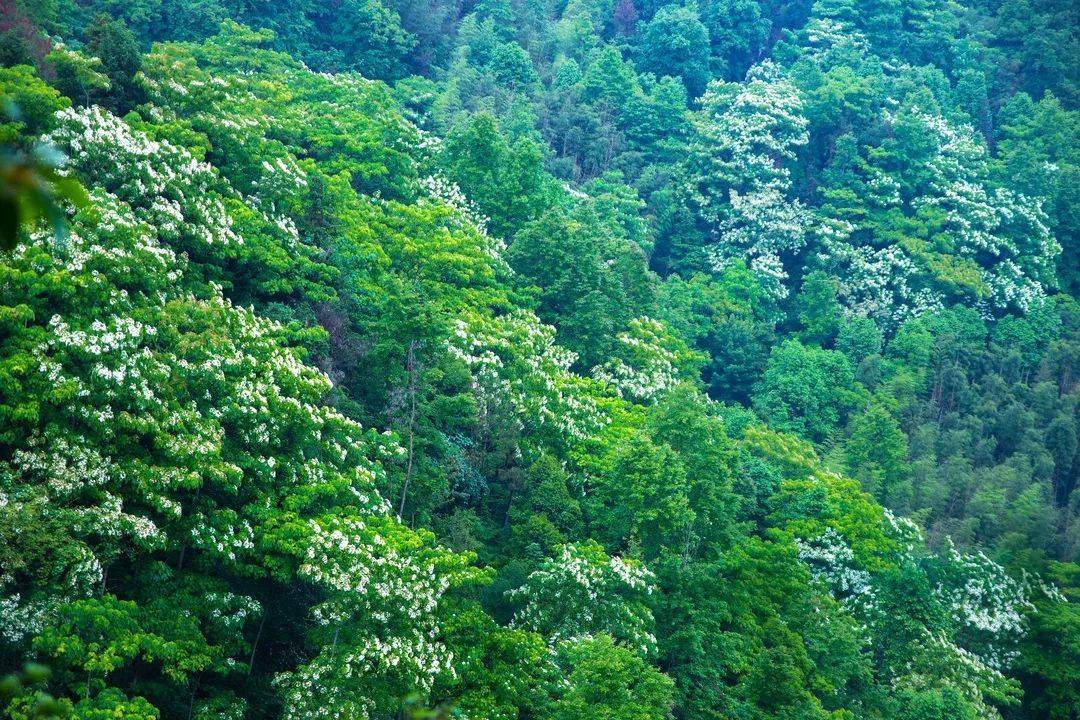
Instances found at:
x=540 y=360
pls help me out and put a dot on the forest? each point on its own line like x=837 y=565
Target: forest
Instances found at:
x=540 y=359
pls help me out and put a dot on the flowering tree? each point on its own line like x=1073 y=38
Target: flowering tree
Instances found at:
x=515 y=358
x=935 y=229
x=648 y=360
x=583 y=591
x=153 y=421
x=935 y=623
x=737 y=167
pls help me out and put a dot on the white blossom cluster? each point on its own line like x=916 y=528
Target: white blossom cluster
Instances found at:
x=582 y=591
x=827 y=36
x=943 y=662
x=644 y=364
x=832 y=562
x=464 y=213
x=68 y=472
x=514 y=358
x=905 y=531
x=230 y=611
x=762 y=225
x=748 y=130
x=987 y=610
x=738 y=179
x=988 y=604
x=382 y=614
x=223 y=533
x=22 y=617
x=280 y=113
x=998 y=240
x=1007 y=232
x=281 y=177
x=876 y=283
x=314 y=692
x=164 y=185
x=222 y=707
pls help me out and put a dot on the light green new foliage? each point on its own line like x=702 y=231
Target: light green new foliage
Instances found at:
x=158 y=423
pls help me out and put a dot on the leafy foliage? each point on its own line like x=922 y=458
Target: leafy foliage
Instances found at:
x=625 y=360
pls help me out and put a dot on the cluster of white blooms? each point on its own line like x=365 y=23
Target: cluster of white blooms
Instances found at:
x=229 y=611
x=998 y=241
x=65 y=466
x=223 y=533
x=987 y=609
x=98 y=368
x=97 y=252
x=315 y=692
x=738 y=181
x=221 y=707
x=260 y=108
x=174 y=84
x=159 y=388
x=121 y=370
x=986 y=602
x=747 y=130
x=66 y=470
x=1010 y=230
x=905 y=531
x=876 y=283
x=832 y=562
x=348 y=555
x=428 y=142
x=943 y=662
x=383 y=606
x=23 y=613
x=183 y=199
x=23 y=617
x=644 y=363
x=514 y=358
x=178 y=195
x=437 y=188
x=281 y=177
x=826 y=36
x=762 y=225
x=582 y=591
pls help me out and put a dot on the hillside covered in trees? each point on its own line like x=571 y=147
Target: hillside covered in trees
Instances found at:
x=540 y=359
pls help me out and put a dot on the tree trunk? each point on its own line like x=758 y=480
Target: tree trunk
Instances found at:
x=410 y=364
